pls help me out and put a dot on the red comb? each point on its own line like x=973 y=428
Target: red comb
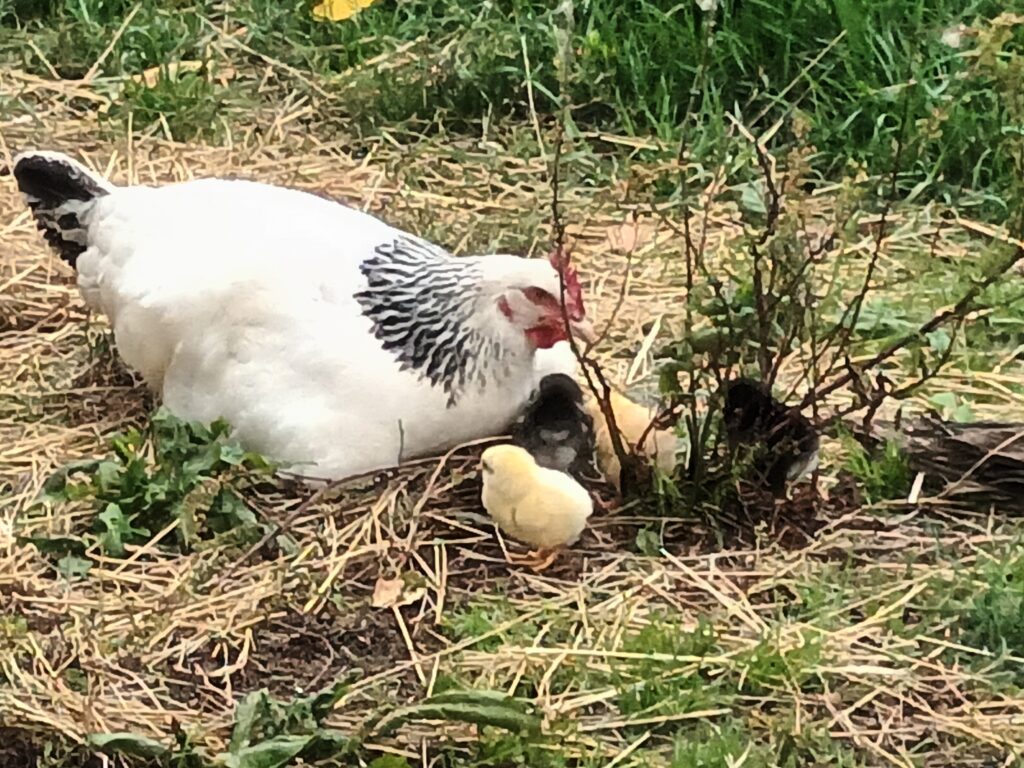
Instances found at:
x=559 y=258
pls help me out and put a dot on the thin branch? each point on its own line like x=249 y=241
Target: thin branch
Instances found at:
x=884 y=391
x=621 y=298
x=957 y=312
x=596 y=381
x=844 y=327
x=773 y=208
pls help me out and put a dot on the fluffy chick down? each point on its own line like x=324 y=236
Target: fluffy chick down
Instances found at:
x=541 y=507
x=754 y=417
x=555 y=427
x=631 y=419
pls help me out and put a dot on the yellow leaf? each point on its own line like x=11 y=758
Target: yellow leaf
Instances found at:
x=386 y=593
x=153 y=75
x=339 y=10
x=1007 y=19
x=629 y=235
x=389 y=593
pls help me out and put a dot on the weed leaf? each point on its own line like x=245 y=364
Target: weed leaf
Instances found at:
x=648 y=542
x=127 y=744
x=183 y=474
x=249 y=709
x=482 y=708
x=273 y=753
x=321 y=704
x=55 y=487
x=327 y=743
x=72 y=567
x=389 y=761
x=752 y=198
x=119 y=529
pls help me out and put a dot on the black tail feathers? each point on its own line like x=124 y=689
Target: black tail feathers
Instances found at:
x=59 y=190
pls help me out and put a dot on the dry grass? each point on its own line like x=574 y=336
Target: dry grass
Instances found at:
x=159 y=638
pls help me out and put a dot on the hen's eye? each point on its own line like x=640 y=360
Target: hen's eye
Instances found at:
x=538 y=295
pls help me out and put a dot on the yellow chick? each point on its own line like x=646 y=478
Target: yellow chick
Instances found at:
x=544 y=508
x=632 y=419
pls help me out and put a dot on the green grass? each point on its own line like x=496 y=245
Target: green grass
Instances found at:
x=743 y=657
x=838 y=67
x=758 y=700
x=986 y=604
x=881 y=476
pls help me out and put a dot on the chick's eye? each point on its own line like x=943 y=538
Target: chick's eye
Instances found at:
x=487 y=466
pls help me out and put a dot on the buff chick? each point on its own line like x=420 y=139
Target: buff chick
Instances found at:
x=542 y=507
x=631 y=419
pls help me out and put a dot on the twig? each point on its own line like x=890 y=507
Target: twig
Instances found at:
x=958 y=310
x=847 y=322
x=814 y=254
x=621 y=298
x=762 y=291
x=873 y=401
x=591 y=370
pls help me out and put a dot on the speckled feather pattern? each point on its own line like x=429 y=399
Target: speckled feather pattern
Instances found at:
x=555 y=427
x=422 y=303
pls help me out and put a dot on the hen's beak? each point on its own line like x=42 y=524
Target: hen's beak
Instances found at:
x=583 y=329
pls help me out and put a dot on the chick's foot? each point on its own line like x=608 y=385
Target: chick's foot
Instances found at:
x=537 y=560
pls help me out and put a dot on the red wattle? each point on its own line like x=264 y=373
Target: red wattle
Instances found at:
x=547 y=335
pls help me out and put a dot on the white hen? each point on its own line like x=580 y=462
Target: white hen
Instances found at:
x=327 y=338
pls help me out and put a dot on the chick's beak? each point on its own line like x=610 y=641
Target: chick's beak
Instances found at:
x=583 y=329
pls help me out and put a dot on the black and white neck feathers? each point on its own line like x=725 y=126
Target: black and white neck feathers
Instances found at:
x=428 y=310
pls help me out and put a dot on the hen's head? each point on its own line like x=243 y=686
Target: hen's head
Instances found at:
x=529 y=298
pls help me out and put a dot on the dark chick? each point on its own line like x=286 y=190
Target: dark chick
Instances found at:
x=555 y=427
x=788 y=441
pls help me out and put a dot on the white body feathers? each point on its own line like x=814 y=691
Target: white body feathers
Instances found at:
x=238 y=300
